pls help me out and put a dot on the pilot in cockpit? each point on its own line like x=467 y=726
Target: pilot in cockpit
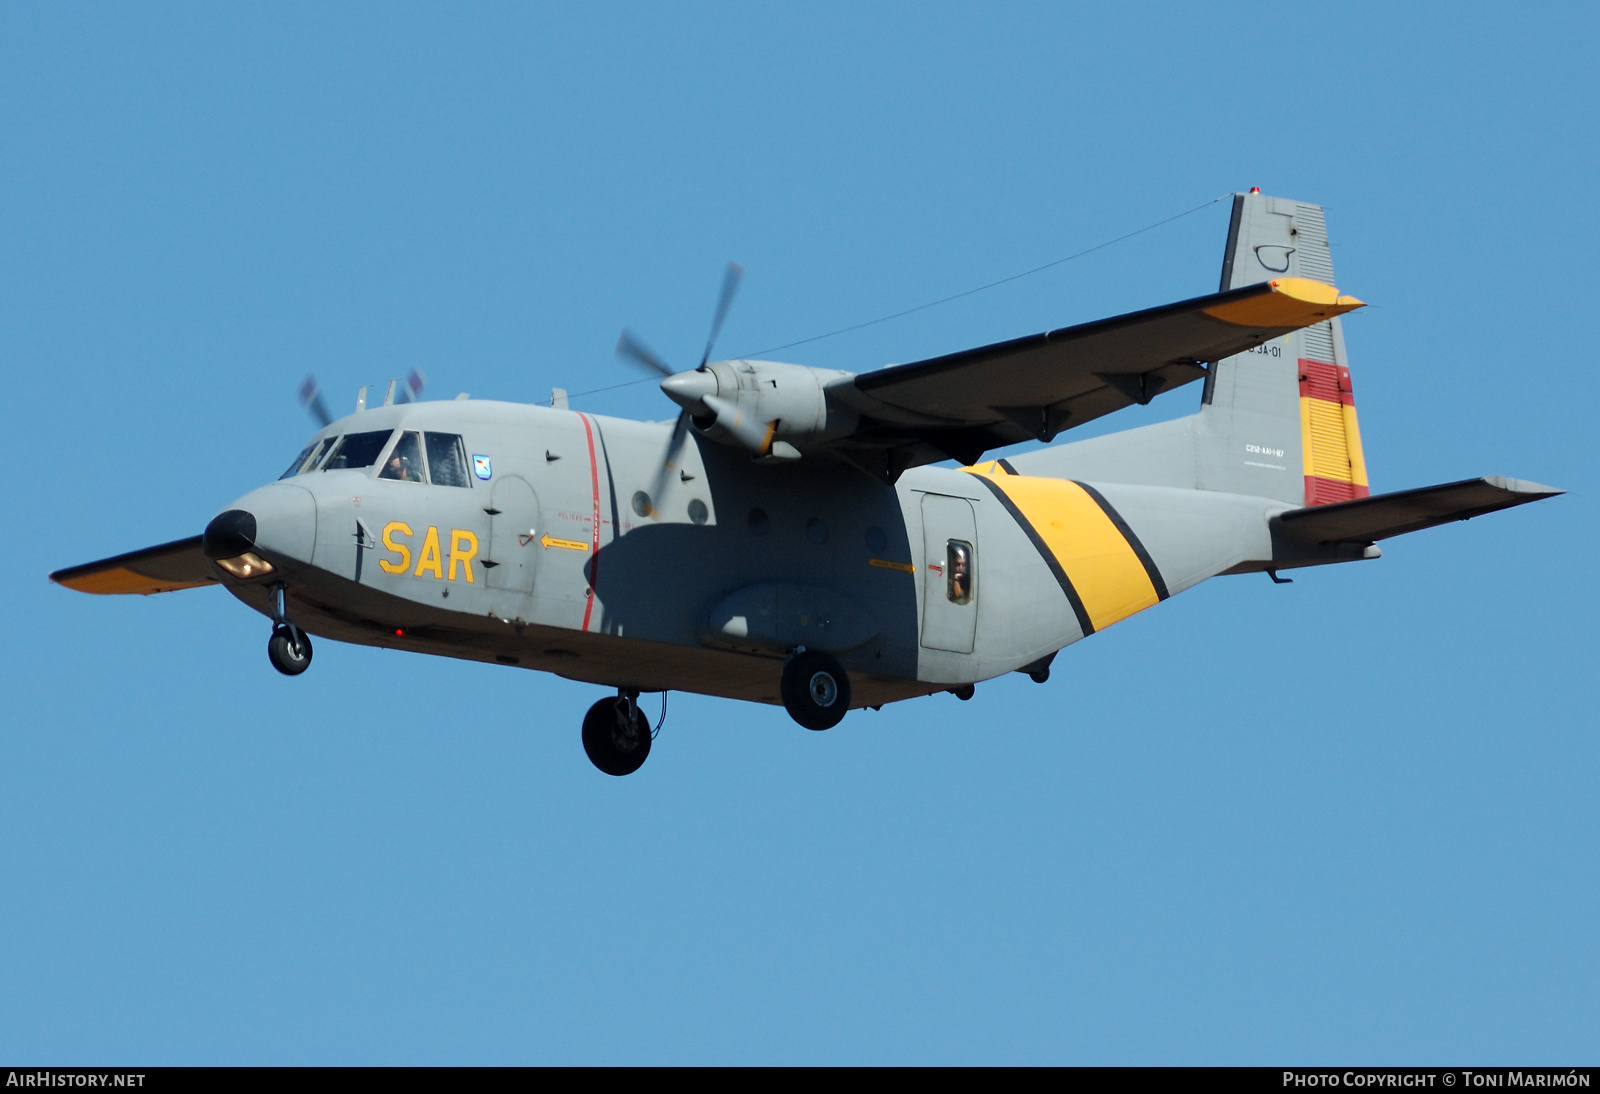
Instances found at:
x=400 y=468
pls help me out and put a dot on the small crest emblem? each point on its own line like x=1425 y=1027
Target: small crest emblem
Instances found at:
x=481 y=468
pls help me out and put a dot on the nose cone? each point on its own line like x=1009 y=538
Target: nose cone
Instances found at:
x=279 y=518
x=688 y=389
x=230 y=534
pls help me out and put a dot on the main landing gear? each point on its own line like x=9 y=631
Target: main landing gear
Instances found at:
x=616 y=734
x=815 y=689
x=289 y=648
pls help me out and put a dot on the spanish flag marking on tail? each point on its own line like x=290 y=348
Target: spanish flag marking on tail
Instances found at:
x=1330 y=438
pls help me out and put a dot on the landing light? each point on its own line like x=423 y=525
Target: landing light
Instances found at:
x=246 y=565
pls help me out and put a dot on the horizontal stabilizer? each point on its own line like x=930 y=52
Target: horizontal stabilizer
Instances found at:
x=1367 y=520
x=164 y=569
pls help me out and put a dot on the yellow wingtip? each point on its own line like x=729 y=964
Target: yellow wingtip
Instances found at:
x=1293 y=302
x=122 y=582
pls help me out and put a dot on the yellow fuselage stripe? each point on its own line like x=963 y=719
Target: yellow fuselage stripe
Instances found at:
x=1102 y=565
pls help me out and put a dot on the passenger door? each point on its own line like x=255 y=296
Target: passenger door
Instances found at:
x=950 y=573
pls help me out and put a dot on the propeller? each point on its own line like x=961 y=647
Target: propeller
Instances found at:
x=317 y=407
x=411 y=390
x=311 y=399
x=753 y=433
x=730 y=285
x=696 y=389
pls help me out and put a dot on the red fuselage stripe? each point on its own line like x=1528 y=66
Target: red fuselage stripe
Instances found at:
x=594 y=543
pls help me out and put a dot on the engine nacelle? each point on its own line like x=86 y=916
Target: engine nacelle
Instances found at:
x=789 y=397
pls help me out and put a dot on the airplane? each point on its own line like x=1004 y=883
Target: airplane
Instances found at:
x=824 y=539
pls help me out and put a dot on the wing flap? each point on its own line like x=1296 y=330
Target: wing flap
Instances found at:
x=1382 y=516
x=162 y=569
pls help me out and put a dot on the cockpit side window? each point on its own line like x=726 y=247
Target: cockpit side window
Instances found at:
x=447 y=460
x=308 y=458
x=358 y=450
x=299 y=462
x=316 y=457
x=405 y=460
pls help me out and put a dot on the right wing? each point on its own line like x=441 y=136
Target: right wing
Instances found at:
x=178 y=565
x=960 y=405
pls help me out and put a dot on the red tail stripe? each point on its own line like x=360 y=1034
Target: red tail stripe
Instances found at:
x=1320 y=491
x=1320 y=380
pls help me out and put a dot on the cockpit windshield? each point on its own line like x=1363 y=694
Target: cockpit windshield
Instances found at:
x=405 y=462
x=358 y=450
x=447 y=460
x=308 y=458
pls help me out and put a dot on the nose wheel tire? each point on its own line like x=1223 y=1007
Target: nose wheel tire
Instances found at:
x=287 y=654
x=816 y=691
x=616 y=736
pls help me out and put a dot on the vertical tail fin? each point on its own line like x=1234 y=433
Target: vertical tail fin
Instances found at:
x=1280 y=420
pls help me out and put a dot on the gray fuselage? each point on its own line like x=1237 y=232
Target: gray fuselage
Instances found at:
x=558 y=566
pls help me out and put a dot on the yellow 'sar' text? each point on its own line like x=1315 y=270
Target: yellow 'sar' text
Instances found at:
x=463 y=549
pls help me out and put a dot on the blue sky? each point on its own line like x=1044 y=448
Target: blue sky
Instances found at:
x=1348 y=819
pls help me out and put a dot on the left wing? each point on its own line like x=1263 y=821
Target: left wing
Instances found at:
x=962 y=404
x=171 y=566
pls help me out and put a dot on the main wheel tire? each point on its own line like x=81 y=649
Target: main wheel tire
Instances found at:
x=816 y=690
x=615 y=745
x=287 y=657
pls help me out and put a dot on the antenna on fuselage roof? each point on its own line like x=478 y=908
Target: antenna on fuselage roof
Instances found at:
x=317 y=407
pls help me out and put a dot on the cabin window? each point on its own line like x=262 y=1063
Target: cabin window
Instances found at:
x=958 y=571
x=358 y=450
x=405 y=460
x=447 y=459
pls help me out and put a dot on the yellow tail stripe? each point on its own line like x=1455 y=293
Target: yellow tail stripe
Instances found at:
x=1352 y=436
x=1102 y=565
x=1327 y=453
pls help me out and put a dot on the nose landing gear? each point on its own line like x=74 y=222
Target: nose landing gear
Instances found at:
x=616 y=735
x=289 y=648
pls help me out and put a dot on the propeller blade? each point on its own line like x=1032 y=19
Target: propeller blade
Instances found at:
x=658 y=489
x=754 y=434
x=311 y=399
x=411 y=390
x=730 y=285
x=636 y=351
